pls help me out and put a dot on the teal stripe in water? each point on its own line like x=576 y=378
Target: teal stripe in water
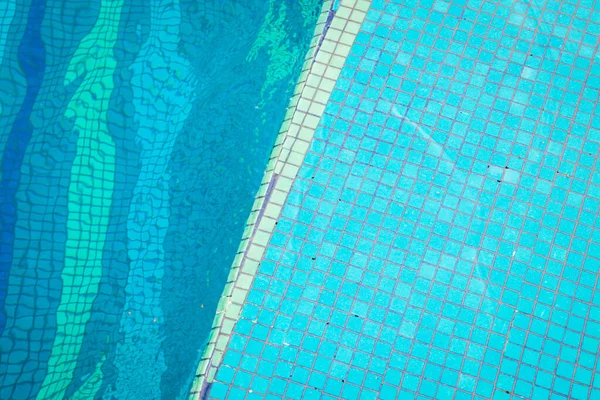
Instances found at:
x=35 y=286
x=163 y=90
x=90 y=195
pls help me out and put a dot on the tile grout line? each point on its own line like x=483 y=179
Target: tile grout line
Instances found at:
x=289 y=150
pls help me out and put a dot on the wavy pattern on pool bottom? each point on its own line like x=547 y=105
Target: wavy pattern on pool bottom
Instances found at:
x=162 y=79
x=138 y=129
x=90 y=192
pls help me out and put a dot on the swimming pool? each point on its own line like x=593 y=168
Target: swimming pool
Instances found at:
x=427 y=225
x=133 y=136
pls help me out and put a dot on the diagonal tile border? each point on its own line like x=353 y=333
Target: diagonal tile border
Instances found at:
x=335 y=33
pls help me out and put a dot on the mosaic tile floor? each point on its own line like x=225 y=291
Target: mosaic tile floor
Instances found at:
x=431 y=228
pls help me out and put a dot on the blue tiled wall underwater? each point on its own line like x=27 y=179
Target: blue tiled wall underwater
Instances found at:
x=442 y=239
x=133 y=137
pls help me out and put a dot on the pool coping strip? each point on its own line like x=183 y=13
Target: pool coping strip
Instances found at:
x=335 y=33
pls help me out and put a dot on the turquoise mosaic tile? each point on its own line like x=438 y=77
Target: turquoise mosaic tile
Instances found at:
x=442 y=238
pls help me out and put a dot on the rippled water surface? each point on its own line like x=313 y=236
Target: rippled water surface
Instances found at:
x=133 y=137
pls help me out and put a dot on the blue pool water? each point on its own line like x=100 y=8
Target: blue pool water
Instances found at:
x=133 y=138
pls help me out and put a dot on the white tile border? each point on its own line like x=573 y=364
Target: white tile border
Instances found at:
x=321 y=69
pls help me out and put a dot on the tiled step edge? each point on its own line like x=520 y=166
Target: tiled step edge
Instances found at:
x=321 y=70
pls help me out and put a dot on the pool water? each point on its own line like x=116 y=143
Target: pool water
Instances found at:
x=133 y=137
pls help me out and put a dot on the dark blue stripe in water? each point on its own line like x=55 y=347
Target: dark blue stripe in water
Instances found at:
x=32 y=58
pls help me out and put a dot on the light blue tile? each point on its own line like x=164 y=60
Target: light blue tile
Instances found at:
x=447 y=231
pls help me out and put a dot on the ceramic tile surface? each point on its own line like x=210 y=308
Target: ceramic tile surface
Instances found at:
x=440 y=237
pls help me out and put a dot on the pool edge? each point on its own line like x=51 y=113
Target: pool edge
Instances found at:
x=334 y=35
